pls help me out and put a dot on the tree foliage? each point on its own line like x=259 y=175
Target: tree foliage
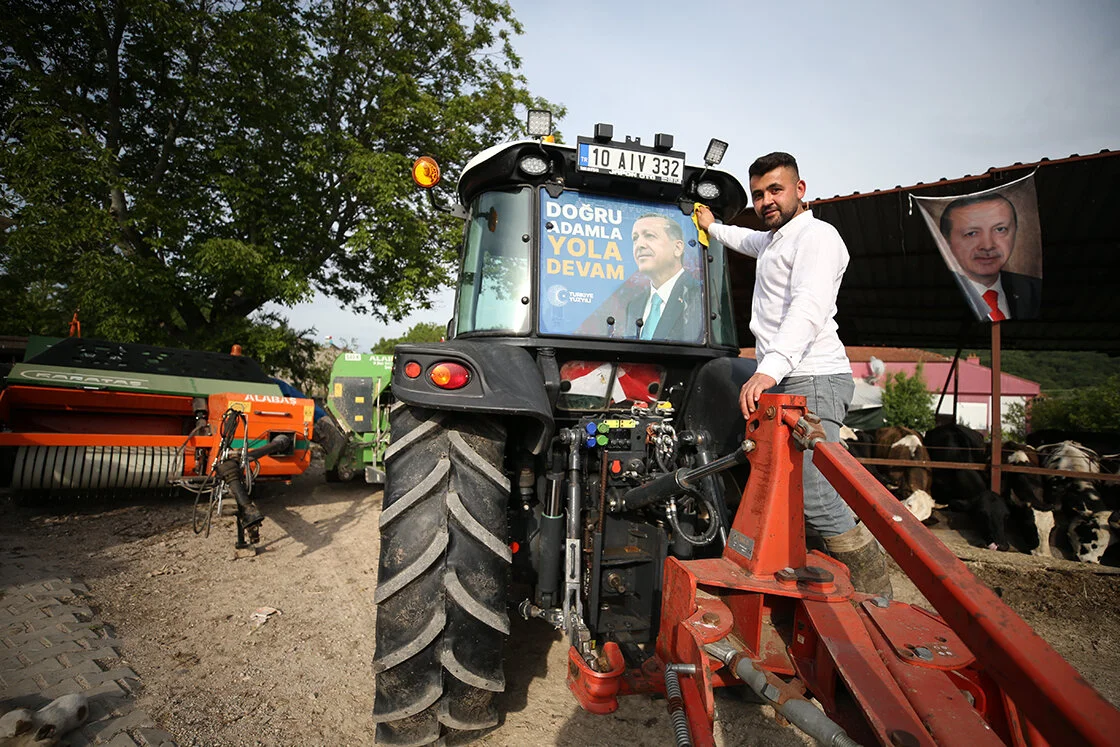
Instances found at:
x=1094 y=408
x=423 y=332
x=907 y=402
x=170 y=167
x=1013 y=423
x=1056 y=371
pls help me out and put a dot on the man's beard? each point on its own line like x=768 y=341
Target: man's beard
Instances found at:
x=778 y=218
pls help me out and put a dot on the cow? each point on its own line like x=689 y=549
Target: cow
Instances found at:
x=911 y=485
x=1093 y=525
x=1098 y=441
x=864 y=444
x=967 y=490
x=1026 y=498
x=861 y=445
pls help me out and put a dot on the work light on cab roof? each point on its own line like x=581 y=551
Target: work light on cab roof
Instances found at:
x=539 y=123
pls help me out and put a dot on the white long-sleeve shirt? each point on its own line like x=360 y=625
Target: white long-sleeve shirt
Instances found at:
x=793 y=312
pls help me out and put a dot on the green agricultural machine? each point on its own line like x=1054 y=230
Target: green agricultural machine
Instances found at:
x=358 y=400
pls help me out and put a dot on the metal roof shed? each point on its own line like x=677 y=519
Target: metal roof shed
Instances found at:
x=898 y=292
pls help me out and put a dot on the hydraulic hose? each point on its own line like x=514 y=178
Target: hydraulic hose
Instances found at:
x=279 y=442
x=683 y=480
x=229 y=471
x=799 y=712
x=709 y=532
x=712 y=488
x=675 y=697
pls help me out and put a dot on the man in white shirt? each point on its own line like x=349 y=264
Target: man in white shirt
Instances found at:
x=801 y=261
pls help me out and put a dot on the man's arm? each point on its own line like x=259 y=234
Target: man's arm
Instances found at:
x=743 y=240
x=815 y=276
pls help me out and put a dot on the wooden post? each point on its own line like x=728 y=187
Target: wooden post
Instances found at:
x=995 y=412
x=956 y=386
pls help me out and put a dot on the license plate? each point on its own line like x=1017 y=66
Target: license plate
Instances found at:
x=608 y=159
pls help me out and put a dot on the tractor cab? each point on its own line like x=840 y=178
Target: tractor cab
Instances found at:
x=591 y=251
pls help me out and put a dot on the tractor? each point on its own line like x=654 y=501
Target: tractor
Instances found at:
x=574 y=451
x=358 y=401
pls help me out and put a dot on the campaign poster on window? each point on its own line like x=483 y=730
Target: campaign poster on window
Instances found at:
x=619 y=268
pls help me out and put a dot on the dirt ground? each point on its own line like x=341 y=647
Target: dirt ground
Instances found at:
x=183 y=606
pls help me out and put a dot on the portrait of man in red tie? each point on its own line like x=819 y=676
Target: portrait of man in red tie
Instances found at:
x=981 y=231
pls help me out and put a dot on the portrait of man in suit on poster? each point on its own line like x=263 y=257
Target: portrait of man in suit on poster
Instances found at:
x=992 y=244
x=981 y=232
x=669 y=305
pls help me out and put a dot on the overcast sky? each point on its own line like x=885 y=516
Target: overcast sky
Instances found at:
x=866 y=95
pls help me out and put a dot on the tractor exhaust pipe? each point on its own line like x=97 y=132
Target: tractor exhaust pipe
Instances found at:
x=798 y=711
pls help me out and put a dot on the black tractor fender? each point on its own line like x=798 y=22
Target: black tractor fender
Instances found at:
x=504 y=381
x=713 y=402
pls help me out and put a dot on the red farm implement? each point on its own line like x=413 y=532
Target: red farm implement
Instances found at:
x=787 y=622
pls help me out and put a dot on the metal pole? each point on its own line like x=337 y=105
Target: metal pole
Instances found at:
x=956 y=388
x=996 y=407
x=945 y=388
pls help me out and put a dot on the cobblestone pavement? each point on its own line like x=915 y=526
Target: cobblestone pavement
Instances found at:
x=53 y=644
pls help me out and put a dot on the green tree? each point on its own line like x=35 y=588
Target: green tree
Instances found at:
x=170 y=167
x=1094 y=408
x=907 y=401
x=1056 y=371
x=1013 y=426
x=423 y=332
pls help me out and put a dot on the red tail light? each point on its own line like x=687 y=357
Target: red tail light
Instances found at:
x=448 y=375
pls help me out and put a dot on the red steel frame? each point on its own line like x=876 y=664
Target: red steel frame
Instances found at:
x=888 y=673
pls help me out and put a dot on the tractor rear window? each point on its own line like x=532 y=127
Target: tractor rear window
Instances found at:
x=495 y=281
x=619 y=268
x=595 y=385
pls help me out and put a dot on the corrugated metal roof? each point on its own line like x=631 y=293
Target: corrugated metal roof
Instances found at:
x=898 y=292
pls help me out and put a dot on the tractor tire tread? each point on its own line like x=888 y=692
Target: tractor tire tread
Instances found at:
x=443 y=573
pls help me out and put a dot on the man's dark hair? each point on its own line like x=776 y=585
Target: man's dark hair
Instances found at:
x=769 y=162
x=672 y=228
x=946 y=223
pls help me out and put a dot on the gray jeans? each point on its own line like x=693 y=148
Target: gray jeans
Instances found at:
x=828 y=397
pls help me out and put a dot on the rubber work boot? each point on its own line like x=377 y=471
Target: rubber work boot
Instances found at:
x=857 y=549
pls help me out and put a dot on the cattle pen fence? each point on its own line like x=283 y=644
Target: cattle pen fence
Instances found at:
x=984 y=466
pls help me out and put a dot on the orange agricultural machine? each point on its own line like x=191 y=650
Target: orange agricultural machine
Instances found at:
x=83 y=416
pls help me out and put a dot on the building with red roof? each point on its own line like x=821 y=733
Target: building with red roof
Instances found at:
x=970 y=389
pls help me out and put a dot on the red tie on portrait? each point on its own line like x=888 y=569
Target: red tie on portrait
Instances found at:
x=991 y=297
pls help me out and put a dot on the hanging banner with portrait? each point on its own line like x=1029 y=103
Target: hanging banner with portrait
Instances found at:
x=992 y=244
x=619 y=268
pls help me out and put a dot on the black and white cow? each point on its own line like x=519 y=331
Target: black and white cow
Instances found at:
x=1026 y=498
x=909 y=484
x=967 y=491
x=1098 y=441
x=1093 y=527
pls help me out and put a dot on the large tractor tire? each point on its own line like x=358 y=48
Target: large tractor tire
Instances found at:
x=442 y=577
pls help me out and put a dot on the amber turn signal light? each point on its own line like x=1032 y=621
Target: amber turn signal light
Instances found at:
x=448 y=375
x=425 y=172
